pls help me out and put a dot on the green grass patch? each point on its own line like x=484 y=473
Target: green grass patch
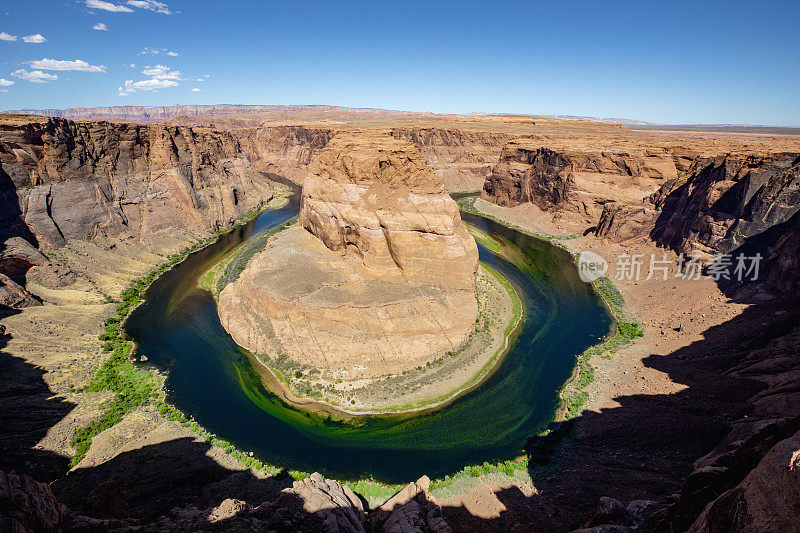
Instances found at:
x=238 y=261
x=135 y=387
x=624 y=332
x=483 y=238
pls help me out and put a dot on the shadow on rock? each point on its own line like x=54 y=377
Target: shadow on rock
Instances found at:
x=28 y=409
x=649 y=450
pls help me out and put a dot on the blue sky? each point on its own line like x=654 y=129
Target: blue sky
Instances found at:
x=673 y=62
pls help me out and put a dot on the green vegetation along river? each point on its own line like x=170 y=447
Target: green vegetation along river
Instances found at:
x=212 y=380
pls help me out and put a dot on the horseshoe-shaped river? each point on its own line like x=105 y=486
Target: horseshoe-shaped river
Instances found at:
x=210 y=379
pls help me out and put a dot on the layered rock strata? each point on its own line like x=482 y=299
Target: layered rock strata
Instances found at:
x=700 y=205
x=63 y=180
x=461 y=159
x=376 y=198
x=377 y=278
x=580 y=182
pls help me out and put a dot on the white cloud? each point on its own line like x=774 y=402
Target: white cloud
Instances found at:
x=207 y=76
x=161 y=77
x=161 y=72
x=133 y=65
x=7 y=36
x=58 y=64
x=36 y=38
x=36 y=76
x=196 y=90
x=3 y=90
x=200 y=79
x=152 y=5
x=131 y=86
x=155 y=51
x=107 y=6
x=6 y=83
x=100 y=26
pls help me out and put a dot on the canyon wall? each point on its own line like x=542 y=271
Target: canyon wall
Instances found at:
x=580 y=182
x=153 y=186
x=86 y=180
x=725 y=200
x=285 y=150
x=462 y=159
x=701 y=205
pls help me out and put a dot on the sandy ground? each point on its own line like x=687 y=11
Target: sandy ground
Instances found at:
x=60 y=338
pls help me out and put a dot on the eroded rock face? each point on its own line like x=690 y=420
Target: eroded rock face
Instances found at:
x=14 y=295
x=27 y=505
x=378 y=199
x=461 y=159
x=695 y=204
x=725 y=200
x=301 y=300
x=79 y=180
x=285 y=150
x=312 y=504
x=412 y=510
x=768 y=499
x=576 y=181
x=783 y=260
x=525 y=174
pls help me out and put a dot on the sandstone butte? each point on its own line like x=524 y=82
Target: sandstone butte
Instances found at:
x=378 y=277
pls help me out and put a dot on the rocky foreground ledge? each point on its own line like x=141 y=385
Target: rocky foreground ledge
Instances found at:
x=311 y=504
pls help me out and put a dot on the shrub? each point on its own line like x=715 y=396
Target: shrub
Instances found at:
x=630 y=330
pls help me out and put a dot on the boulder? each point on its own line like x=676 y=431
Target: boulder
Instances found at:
x=412 y=510
x=768 y=499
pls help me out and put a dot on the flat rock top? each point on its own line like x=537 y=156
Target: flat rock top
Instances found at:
x=367 y=158
x=297 y=266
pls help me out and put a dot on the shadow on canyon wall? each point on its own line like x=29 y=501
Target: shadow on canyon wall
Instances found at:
x=28 y=409
x=11 y=223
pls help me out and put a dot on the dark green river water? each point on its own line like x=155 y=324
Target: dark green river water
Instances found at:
x=210 y=379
